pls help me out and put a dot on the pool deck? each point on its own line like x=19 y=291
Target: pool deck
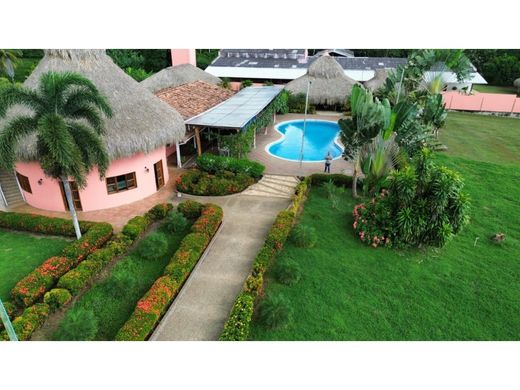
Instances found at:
x=277 y=166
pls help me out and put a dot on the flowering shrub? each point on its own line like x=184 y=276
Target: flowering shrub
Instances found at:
x=202 y=183
x=209 y=220
x=33 y=286
x=157 y=300
x=237 y=325
x=190 y=209
x=159 y=211
x=41 y=224
x=280 y=230
x=149 y=310
x=423 y=205
x=56 y=298
x=31 y=319
x=94 y=238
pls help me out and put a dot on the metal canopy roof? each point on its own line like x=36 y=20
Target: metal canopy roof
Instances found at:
x=237 y=111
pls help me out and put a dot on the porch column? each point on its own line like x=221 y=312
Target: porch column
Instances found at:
x=178 y=153
x=197 y=139
x=254 y=139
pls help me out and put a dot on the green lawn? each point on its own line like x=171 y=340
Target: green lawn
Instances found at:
x=493 y=88
x=482 y=137
x=468 y=290
x=20 y=253
x=111 y=301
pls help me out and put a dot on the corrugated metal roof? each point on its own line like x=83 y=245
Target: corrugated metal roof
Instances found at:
x=237 y=111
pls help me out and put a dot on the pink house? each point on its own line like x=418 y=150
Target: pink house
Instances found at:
x=139 y=138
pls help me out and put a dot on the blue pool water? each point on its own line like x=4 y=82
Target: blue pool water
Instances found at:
x=319 y=139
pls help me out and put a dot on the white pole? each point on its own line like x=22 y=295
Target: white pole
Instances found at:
x=305 y=121
x=178 y=153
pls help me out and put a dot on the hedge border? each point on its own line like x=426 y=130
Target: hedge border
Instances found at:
x=34 y=285
x=238 y=323
x=154 y=304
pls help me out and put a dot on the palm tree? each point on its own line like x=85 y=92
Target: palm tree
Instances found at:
x=8 y=60
x=65 y=114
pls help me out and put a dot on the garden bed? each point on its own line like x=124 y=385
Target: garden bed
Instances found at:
x=20 y=253
x=217 y=176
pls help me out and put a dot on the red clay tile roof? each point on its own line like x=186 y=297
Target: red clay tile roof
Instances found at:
x=194 y=98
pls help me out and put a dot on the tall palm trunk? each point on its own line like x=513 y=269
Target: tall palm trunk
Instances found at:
x=354 y=178
x=70 y=202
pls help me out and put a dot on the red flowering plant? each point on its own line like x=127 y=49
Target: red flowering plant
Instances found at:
x=372 y=221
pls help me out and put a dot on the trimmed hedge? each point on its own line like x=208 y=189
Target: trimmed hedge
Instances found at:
x=56 y=298
x=78 y=278
x=337 y=178
x=196 y=182
x=156 y=301
x=190 y=209
x=40 y=224
x=32 y=287
x=212 y=164
x=237 y=326
x=31 y=319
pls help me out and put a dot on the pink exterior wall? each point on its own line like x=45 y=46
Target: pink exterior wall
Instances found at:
x=183 y=56
x=485 y=102
x=94 y=196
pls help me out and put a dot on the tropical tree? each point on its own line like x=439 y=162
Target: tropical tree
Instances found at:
x=65 y=113
x=8 y=60
x=371 y=117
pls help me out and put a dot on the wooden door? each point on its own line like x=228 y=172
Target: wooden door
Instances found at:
x=75 y=196
x=159 y=175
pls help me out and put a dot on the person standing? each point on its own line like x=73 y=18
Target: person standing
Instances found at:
x=328 y=162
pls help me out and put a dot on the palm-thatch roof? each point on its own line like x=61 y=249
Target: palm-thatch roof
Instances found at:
x=377 y=81
x=141 y=122
x=174 y=76
x=329 y=83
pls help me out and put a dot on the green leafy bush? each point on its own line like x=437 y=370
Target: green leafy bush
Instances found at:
x=246 y=83
x=136 y=226
x=190 y=209
x=211 y=163
x=334 y=193
x=336 y=178
x=274 y=311
x=159 y=211
x=237 y=325
x=56 y=298
x=423 y=205
x=304 y=236
x=254 y=284
x=153 y=246
x=80 y=325
x=296 y=103
x=287 y=272
x=175 y=221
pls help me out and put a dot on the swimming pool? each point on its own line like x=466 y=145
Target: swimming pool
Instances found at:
x=320 y=138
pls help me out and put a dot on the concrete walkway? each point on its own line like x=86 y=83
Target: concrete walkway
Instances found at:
x=203 y=305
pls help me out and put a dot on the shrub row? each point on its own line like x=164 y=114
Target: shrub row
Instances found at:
x=156 y=301
x=78 y=278
x=213 y=164
x=32 y=287
x=237 y=326
x=31 y=319
x=337 y=178
x=40 y=224
x=196 y=182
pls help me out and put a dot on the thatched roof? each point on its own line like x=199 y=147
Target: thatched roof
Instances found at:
x=377 y=81
x=141 y=122
x=194 y=98
x=329 y=84
x=174 y=76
